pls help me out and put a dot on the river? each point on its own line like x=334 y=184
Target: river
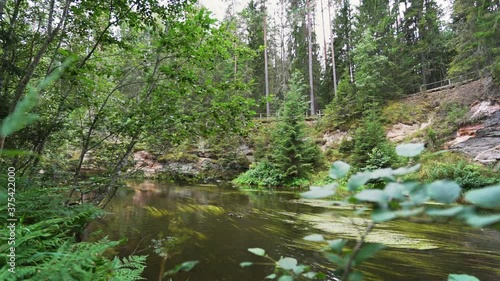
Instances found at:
x=215 y=225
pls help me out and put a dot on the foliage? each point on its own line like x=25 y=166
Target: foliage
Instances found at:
x=292 y=156
x=262 y=173
x=399 y=199
x=476 y=37
x=405 y=112
x=370 y=144
x=381 y=157
x=339 y=112
x=373 y=82
x=286 y=268
x=46 y=248
x=467 y=175
x=454 y=113
x=46 y=232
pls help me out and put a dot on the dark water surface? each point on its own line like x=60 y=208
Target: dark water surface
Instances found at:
x=216 y=225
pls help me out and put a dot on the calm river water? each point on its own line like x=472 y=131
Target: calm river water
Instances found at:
x=216 y=225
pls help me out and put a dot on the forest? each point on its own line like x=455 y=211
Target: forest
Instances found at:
x=225 y=119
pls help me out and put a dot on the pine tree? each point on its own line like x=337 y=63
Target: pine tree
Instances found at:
x=343 y=35
x=253 y=17
x=476 y=37
x=374 y=79
x=298 y=44
x=370 y=138
x=423 y=44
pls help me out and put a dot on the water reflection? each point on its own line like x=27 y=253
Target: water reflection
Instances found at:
x=215 y=225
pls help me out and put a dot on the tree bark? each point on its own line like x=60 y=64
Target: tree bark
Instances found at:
x=266 y=72
x=309 y=39
x=332 y=35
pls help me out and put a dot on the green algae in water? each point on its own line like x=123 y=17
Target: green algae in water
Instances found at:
x=353 y=227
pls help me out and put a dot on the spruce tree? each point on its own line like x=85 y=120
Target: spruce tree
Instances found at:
x=476 y=37
x=370 y=135
x=292 y=153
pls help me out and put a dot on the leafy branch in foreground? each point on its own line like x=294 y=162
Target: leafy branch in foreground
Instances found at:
x=286 y=268
x=22 y=115
x=399 y=199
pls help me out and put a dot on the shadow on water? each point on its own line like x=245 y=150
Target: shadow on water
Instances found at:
x=215 y=225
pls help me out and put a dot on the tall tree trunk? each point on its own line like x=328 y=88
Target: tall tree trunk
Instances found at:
x=266 y=72
x=324 y=34
x=332 y=41
x=309 y=43
x=283 y=57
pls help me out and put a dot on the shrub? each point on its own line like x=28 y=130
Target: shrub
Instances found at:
x=371 y=147
x=467 y=175
x=261 y=174
x=404 y=112
x=382 y=156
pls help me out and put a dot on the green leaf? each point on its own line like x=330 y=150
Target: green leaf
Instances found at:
x=185 y=266
x=271 y=276
x=188 y=265
x=246 y=263
x=418 y=197
x=482 y=221
x=314 y=238
x=411 y=185
x=287 y=263
x=372 y=195
x=367 y=251
x=383 y=215
x=444 y=191
x=257 y=251
x=406 y=170
x=339 y=169
x=299 y=269
x=410 y=149
x=310 y=275
x=395 y=190
x=355 y=276
x=382 y=173
x=21 y=117
x=461 y=277
x=317 y=192
x=286 y=278
x=449 y=212
x=336 y=259
x=410 y=212
x=487 y=197
x=358 y=180
x=337 y=244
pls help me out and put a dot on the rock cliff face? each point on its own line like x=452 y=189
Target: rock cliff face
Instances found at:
x=484 y=144
x=200 y=165
x=482 y=141
x=479 y=138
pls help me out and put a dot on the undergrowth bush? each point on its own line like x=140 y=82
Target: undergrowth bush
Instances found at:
x=46 y=242
x=404 y=112
x=261 y=174
x=371 y=148
x=467 y=175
